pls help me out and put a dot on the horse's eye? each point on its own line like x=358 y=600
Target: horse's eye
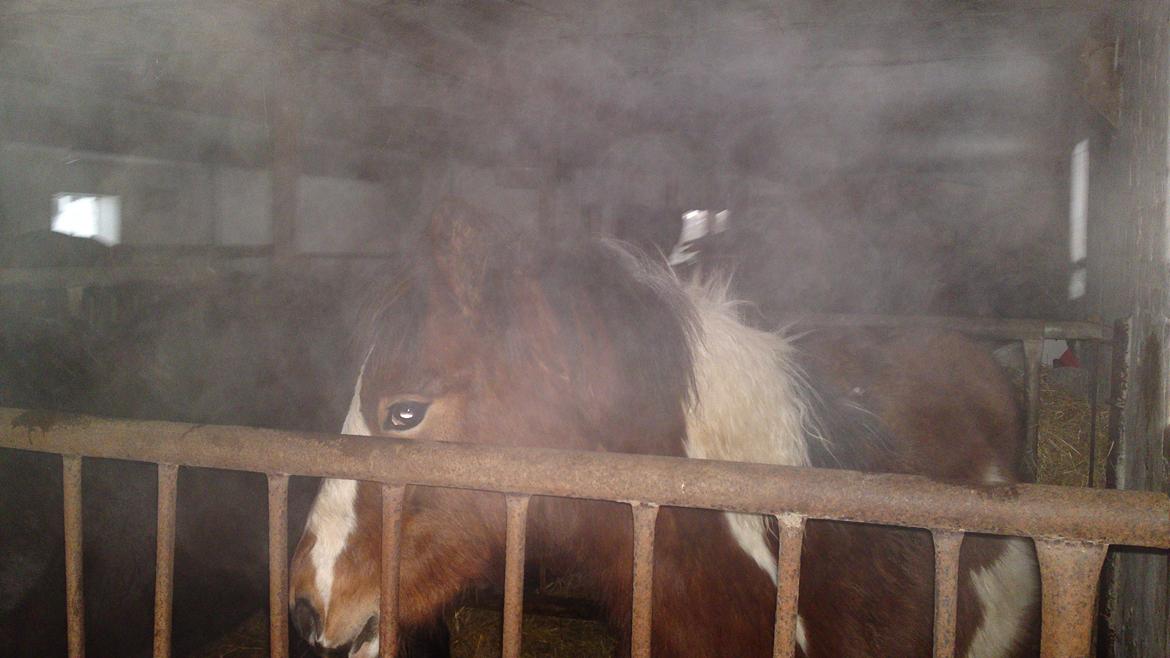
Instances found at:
x=404 y=415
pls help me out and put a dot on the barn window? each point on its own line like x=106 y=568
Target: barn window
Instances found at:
x=1078 y=218
x=88 y=216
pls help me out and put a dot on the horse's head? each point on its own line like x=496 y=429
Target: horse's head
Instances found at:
x=492 y=340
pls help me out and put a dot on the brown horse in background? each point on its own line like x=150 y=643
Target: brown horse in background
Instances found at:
x=592 y=348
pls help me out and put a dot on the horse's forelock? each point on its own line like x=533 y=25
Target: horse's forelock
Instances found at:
x=390 y=334
x=606 y=334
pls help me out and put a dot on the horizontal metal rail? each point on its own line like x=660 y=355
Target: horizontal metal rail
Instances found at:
x=1005 y=329
x=1095 y=515
x=196 y=265
x=1072 y=527
x=998 y=328
x=82 y=277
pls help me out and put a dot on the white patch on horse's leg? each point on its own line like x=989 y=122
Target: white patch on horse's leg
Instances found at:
x=334 y=515
x=1005 y=590
x=749 y=532
x=749 y=407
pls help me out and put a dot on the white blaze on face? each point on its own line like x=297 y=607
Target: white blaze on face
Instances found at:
x=334 y=514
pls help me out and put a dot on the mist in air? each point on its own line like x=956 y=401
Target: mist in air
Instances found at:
x=905 y=157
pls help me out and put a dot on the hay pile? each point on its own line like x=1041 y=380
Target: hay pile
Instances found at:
x=475 y=633
x=248 y=640
x=1063 y=441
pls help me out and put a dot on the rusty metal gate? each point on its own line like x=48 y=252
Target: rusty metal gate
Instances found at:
x=1072 y=527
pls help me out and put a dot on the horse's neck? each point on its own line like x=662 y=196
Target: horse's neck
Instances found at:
x=751 y=404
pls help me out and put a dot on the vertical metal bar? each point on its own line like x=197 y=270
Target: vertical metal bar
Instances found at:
x=946 y=590
x=1094 y=398
x=74 y=601
x=1033 y=353
x=164 y=559
x=1068 y=576
x=277 y=565
x=1121 y=359
x=791 y=527
x=645 y=516
x=391 y=548
x=514 y=546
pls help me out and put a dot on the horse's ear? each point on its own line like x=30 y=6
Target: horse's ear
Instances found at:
x=465 y=243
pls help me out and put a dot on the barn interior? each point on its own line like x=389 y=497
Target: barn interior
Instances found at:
x=897 y=157
x=195 y=193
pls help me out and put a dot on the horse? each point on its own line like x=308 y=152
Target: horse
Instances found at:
x=493 y=339
x=251 y=351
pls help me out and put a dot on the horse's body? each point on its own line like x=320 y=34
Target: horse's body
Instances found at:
x=594 y=350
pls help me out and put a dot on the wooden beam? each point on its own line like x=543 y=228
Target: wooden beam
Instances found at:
x=1130 y=276
x=215 y=85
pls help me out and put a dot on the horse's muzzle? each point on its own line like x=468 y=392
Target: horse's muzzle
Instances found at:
x=307 y=623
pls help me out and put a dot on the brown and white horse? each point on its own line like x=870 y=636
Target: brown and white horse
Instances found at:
x=594 y=349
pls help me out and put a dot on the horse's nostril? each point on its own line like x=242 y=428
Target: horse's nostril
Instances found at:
x=306 y=620
x=368 y=634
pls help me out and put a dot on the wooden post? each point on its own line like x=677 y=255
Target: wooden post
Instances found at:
x=1129 y=277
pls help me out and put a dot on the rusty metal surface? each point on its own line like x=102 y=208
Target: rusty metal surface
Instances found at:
x=1002 y=329
x=74 y=601
x=1118 y=396
x=391 y=548
x=946 y=590
x=1033 y=355
x=1068 y=575
x=392 y=497
x=791 y=529
x=514 y=574
x=164 y=558
x=641 y=620
x=278 y=565
x=1095 y=380
x=1122 y=517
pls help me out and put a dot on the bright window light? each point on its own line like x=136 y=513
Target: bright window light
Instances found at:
x=1078 y=219
x=88 y=216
